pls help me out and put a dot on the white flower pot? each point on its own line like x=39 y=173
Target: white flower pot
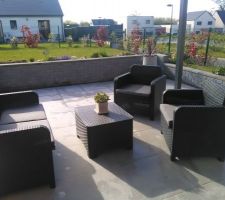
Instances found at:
x=101 y=108
x=150 y=60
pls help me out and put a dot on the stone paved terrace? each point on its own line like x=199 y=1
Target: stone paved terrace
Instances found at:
x=144 y=173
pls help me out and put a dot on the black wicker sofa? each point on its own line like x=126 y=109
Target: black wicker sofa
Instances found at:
x=26 y=143
x=190 y=127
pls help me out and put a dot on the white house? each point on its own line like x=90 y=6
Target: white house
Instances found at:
x=143 y=23
x=174 y=28
x=41 y=16
x=219 y=15
x=199 y=21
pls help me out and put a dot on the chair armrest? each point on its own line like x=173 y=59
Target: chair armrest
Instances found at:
x=121 y=80
x=198 y=128
x=160 y=81
x=18 y=99
x=158 y=85
x=183 y=97
x=200 y=119
x=39 y=134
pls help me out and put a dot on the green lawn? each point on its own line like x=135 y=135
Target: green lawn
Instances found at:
x=213 y=51
x=46 y=50
x=203 y=68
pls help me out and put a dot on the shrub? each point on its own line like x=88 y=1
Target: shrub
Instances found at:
x=103 y=54
x=52 y=37
x=101 y=36
x=51 y=59
x=135 y=40
x=151 y=45
x=14 y=42
x=30 y=40
x=32 y=59
x=69 y=40
x=95 y=55
x=220 y=71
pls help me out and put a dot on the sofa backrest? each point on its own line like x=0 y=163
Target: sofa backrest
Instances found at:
x=144 y=74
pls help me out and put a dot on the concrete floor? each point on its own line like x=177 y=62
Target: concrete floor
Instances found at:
x=144 y=173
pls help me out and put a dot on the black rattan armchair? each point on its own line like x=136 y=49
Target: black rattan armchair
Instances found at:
x=190 y=127
x=142 y=85
x=26 y=143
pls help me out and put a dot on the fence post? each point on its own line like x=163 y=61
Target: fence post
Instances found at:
x=59 y=38
x=207 y=47
x=144 y=36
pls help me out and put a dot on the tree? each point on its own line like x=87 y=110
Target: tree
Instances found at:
x=101 y=36
x=69 y=23
x=84 y=24
x=220 y=3
x=30 y=40
x=164 y=21
x=136 y=40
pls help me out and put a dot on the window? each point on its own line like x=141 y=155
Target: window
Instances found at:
x=199 y=23
x=209 y=22
x=148 y=21
x=13 y=24
x=134 y=22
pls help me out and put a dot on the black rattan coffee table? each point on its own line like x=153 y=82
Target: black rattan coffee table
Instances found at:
x=101 y=132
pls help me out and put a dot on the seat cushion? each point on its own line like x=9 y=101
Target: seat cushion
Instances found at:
x=22 y=114
x=28 y=125
x=135 y=89
x=167 y=111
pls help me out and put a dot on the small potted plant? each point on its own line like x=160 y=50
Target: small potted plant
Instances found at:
x=101 y=100
x=149 y=57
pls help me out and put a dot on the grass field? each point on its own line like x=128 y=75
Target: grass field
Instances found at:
x=46 y=50
x=218 y=52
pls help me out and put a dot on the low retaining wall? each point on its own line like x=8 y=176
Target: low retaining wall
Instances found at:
x=26 y=76
x=213 y=85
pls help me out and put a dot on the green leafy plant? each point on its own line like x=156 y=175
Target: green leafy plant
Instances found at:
x=32 y=59
x=220 y=71
x=121 y=45
x=95 y=55
x=103 y=54
x=101 y=97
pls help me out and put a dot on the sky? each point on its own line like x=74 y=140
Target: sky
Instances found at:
x=85 y=10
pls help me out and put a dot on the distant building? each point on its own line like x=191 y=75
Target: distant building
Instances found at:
x=174 y=28
x=40 y=16
x=103 y=22
x=143 y=23
x=219 y=15
x=199 y=21
x=110 y=24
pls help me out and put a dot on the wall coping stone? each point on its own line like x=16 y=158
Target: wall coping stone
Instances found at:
x=68 y=61
x=197 y=71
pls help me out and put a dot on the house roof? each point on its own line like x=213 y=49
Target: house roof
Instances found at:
x=30 y=8
x=191 y=16
x=104 y=22
x=221 y=14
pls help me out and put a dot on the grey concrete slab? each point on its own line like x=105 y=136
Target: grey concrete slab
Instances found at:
x=144 y=173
